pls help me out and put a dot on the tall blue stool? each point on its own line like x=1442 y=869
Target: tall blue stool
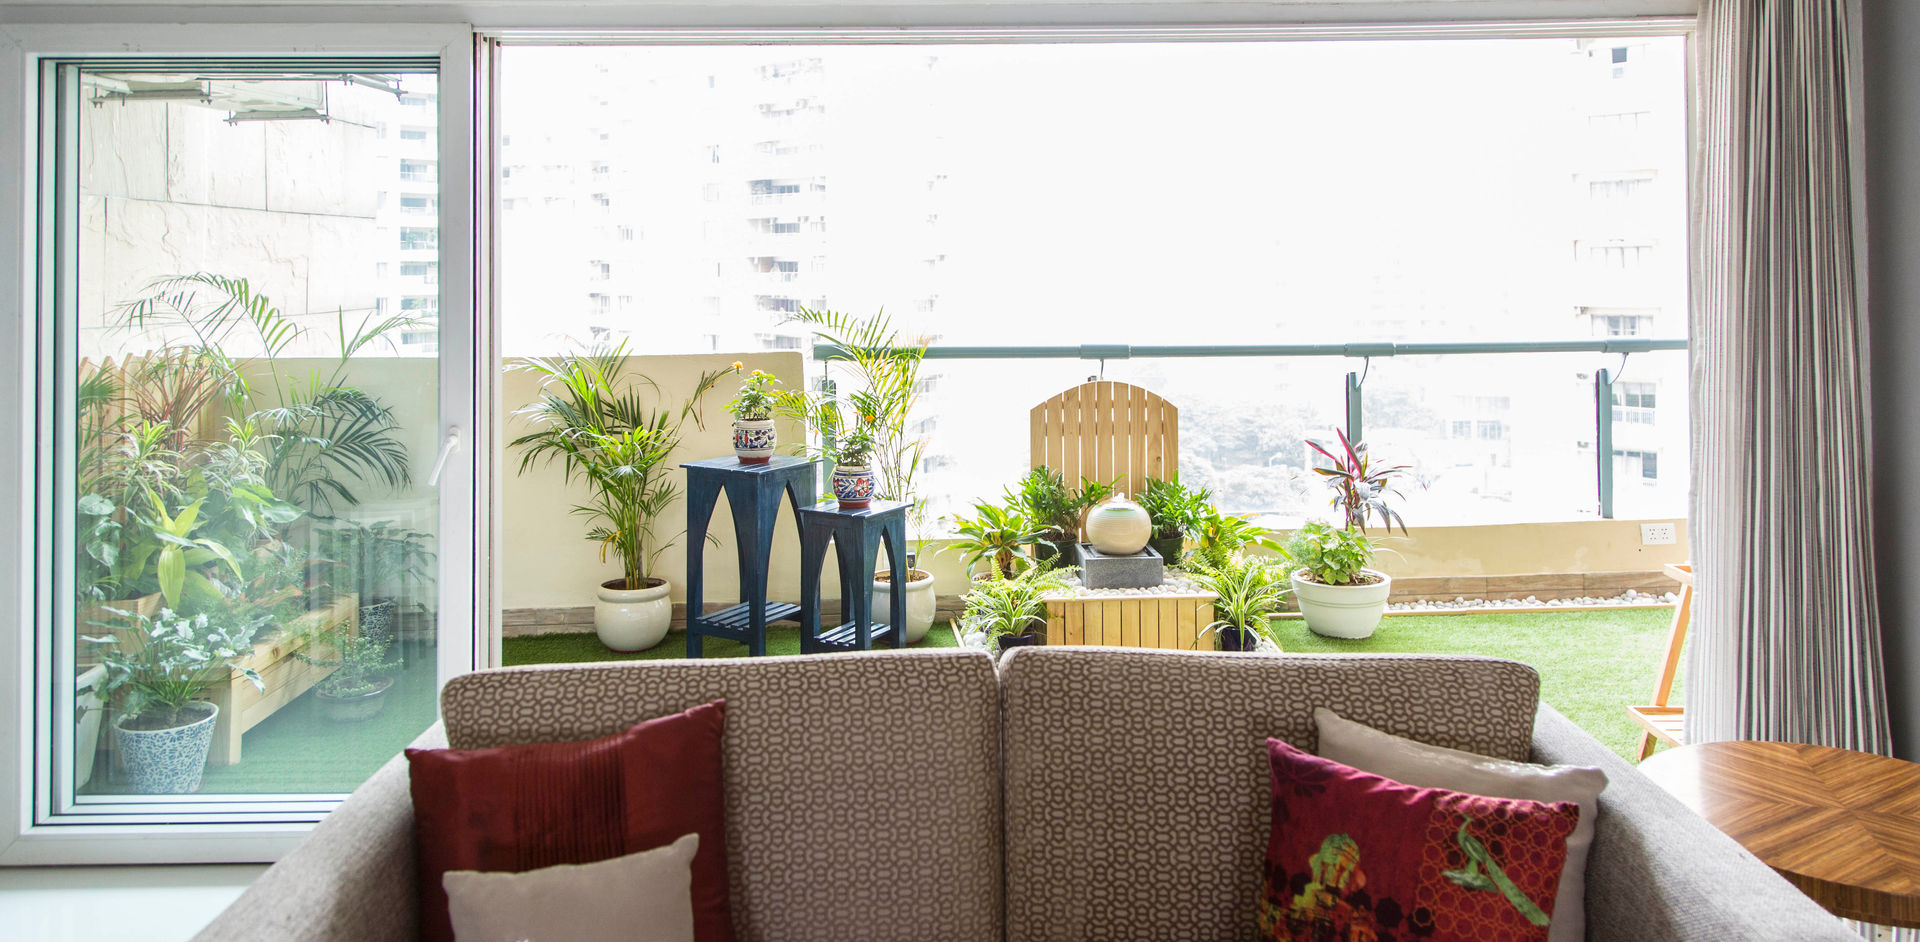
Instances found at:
x=753 y=494
x=856 y=536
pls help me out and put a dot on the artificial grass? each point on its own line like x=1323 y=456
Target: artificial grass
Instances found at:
x=586 y=647
x=1593 y=665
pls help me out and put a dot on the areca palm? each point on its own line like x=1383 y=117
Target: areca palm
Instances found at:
x=592 y=418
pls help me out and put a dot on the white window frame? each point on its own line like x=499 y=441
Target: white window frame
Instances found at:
x=225 y=830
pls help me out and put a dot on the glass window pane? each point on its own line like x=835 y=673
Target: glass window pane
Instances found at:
x=255 y=386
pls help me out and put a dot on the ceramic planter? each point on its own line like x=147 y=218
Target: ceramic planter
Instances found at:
x=1238 y=639
x=165 y=761
x=920 y=601
x=853 y=484
x=1031 y=636
x=632 y=619
x=1343 y=611
x=355 y=708
x=88 y=708
x=754 y=440
x=376 y=619
x=1060 y=551
x=1118 y=527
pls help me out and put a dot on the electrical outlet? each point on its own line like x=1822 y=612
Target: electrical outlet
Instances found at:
x=1657 y=534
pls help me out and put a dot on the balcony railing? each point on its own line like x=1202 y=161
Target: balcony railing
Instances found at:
x=1603 y=392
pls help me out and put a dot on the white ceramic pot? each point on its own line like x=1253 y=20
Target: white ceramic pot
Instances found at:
x=920 y=601
x=632 y=619
x=1118 y=526
x=1343 y=611
x=754 y=440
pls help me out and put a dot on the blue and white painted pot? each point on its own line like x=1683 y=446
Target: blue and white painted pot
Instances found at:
x=165 y=761
x=753 y=440
x=853 y=484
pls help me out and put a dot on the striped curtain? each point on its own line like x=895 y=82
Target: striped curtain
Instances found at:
x=1786 y=638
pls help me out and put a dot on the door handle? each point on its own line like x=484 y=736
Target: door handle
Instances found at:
x=446 y=450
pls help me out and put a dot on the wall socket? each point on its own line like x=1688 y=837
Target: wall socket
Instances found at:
x=1657 y=534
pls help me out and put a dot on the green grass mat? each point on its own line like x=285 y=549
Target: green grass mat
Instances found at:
x=580 y=648
x=1593 y=665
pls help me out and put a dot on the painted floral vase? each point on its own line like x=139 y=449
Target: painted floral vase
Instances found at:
x=853 y=484
x=754 y=440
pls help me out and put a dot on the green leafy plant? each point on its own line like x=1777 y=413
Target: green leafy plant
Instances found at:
x=857 y=448
x=359 y=663
x=1251 y=591
x=591 y=418
x=1092 y=493
x=1330 y=555
x=164 y=663
x=1047 y=501
x=885 y=387
x=1360 y=487
x=1176 y=510
x=1218 y=537
x=1000 y=533
x=755 y=400
x=369 y=557
x=1011 y=606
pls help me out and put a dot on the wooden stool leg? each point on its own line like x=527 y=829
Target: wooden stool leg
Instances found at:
x=1646 y=745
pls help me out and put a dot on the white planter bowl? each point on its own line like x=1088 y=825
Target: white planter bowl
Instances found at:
x=632 y=619
x=1343 y=611
x=920 y=601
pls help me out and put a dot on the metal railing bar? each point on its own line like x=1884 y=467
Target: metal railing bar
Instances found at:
x=827 y=351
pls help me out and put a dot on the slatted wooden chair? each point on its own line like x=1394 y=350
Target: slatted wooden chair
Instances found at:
x=1107 y=432
x=1663 y=723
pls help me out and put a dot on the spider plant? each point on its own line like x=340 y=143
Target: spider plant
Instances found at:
x=1011 y=606
x=593 y=420
x=1250 y=591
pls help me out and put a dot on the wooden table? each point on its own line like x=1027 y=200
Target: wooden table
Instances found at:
x=1842 y=826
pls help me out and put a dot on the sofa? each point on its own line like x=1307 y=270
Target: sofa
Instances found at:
x=1060 y=794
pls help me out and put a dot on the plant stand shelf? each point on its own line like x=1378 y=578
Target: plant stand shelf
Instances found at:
x=242 y=706
x=753 y=495
x=1172 y=621
x=856 y=536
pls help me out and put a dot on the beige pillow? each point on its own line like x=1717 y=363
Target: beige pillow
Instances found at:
x=643 y=897
x=1423 y=766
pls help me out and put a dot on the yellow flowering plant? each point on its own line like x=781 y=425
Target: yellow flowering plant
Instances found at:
x=755 y=398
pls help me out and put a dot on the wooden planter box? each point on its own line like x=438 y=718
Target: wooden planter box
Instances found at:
x=243 y=706
x=1144 y=621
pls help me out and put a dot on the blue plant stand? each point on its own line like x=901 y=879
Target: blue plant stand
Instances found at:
x=753 y=494
x=856 y=536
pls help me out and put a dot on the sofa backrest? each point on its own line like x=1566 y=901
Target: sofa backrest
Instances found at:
x=1137 y=784
x=863 y=790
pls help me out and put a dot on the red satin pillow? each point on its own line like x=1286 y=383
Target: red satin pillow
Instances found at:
x=1352 y=855
x=519 y=808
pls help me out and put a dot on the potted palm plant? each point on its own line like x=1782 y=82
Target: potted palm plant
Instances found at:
x=1176 y=511
x=362 y=674
x=1000 y=534
x=1250 y=591
x=1339 y=596
x=1012 y=611
x=161 y=667
x=754 y=437
x=591 y=419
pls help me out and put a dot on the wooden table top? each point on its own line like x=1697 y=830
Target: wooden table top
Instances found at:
x=1843 y=826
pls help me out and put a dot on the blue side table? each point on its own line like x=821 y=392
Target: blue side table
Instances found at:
x=753 y=494
x=856 y=536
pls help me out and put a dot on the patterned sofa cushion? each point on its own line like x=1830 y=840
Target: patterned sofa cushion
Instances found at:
x=1137 y=786
x=863 y=790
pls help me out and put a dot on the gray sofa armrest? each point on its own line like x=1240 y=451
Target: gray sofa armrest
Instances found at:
x=351 y=880
x=1658 y=871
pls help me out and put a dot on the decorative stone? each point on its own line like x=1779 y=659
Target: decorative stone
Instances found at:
x=1100 y=570
x=1119 y=527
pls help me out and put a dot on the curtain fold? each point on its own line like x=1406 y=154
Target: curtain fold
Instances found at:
x=1786 y=636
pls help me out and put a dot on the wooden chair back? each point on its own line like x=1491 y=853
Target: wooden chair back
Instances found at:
x=1660 y=722
x=1108 y=432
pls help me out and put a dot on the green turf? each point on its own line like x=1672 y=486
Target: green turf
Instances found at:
x=579 y=648
x=1593 y=665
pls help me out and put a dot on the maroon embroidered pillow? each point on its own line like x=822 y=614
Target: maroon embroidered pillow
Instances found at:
x=513 y=809
x=1352 y=855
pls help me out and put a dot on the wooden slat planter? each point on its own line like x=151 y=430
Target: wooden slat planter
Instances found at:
x=243 y=706
x=1140 y=621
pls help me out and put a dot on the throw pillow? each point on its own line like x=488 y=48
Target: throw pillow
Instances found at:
x=643 y=897
x=1352 y=855
x=1415 y=763
x=518 y=808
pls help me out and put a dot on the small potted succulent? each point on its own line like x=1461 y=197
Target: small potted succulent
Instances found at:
x=852 y=477
x=161 y=667
x=754 y=437
x=1177 y=512
x=1012 y=612
x=1250 y=591
x=362 y=674
x=1339 y=596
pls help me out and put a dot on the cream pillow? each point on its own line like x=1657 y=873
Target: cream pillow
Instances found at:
x=643 y=897
x=1423 y=766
